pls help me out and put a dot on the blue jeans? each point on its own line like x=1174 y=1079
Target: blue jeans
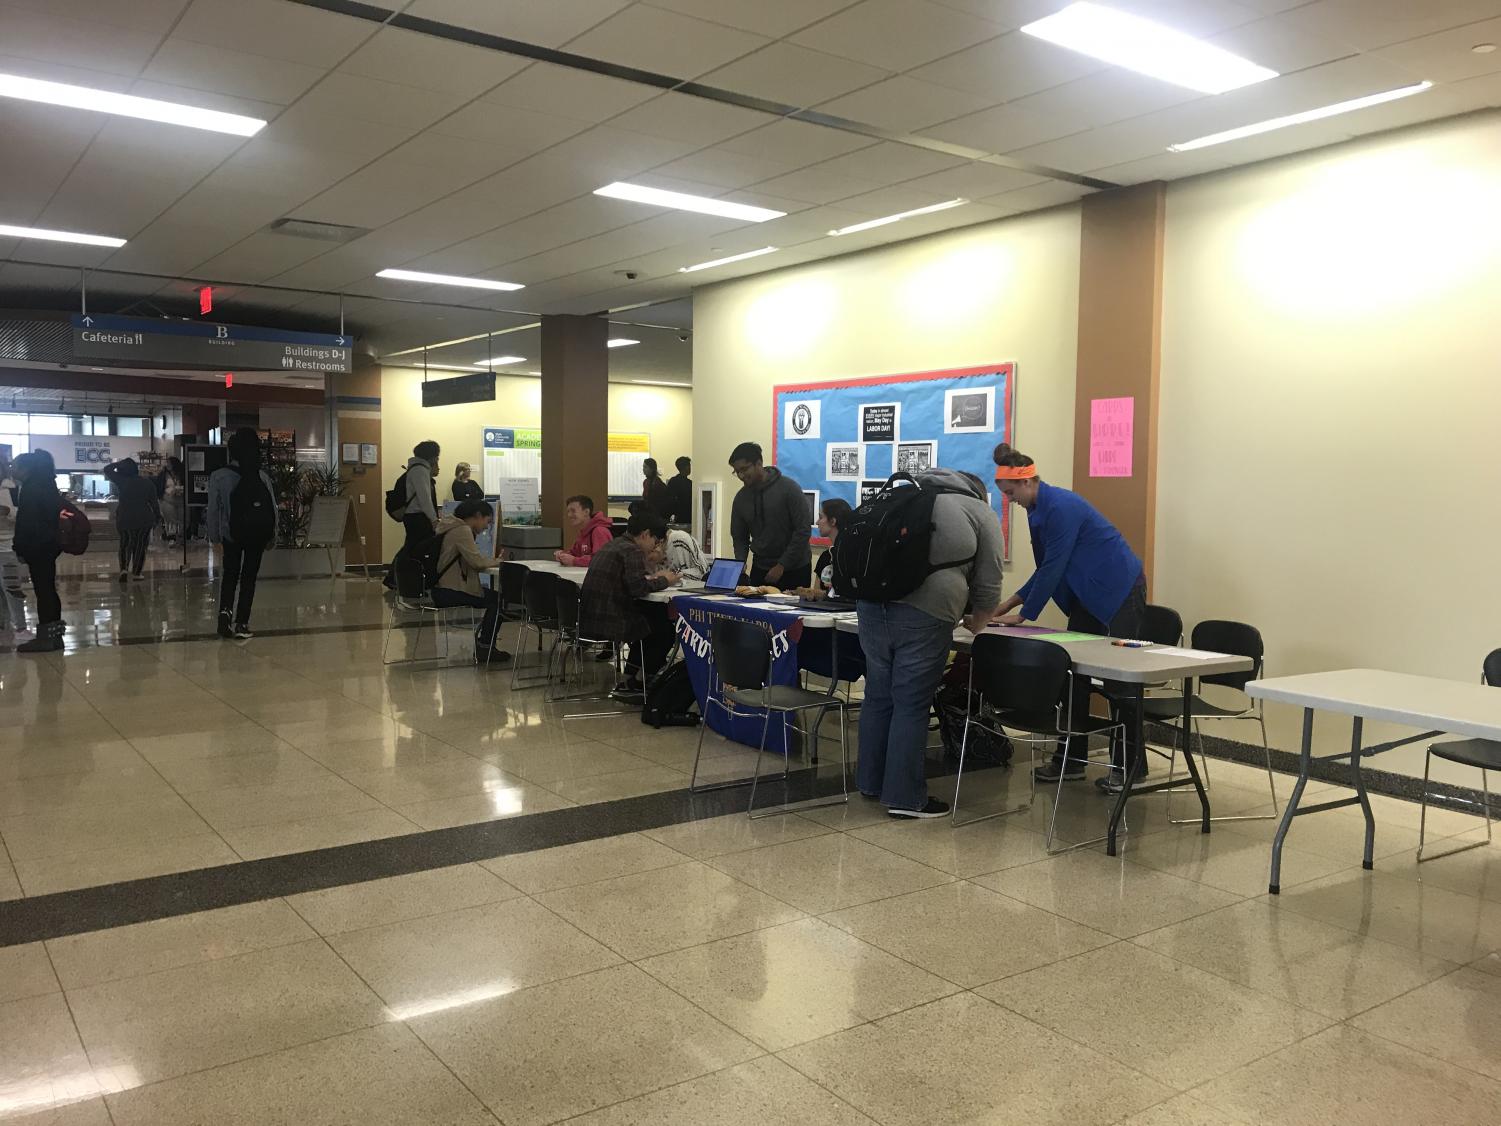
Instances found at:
x=906 y=651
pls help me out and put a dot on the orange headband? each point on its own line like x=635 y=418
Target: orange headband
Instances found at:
x=1015 y=472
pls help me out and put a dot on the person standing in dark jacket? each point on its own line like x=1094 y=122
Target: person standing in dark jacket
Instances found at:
x=654 y=492
x=136 y=513
x=37 y=545
x=769 y=519
x=680 y=493
x=241 y=557
x=464 y=486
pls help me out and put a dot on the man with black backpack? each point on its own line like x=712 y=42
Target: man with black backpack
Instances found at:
x=413 y=500
x=241 y=520
x=915 y=556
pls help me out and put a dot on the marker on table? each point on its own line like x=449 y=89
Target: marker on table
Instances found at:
x=1124 y=643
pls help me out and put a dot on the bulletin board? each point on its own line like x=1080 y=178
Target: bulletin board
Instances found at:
x=513 y=451
x=843 y=438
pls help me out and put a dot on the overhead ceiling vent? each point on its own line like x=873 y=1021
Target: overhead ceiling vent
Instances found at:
x=322 y=232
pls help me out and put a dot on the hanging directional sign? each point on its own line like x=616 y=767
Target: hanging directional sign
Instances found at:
x=163 y=342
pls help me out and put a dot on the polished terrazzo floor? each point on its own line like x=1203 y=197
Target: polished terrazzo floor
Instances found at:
x=825 y=967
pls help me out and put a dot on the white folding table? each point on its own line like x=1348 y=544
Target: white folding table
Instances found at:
x=1442 y=707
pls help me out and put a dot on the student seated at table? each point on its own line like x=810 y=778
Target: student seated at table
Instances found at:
x=830 y=513
x=1086 y=566
x=609 y=600
x=460 y=563
x=592 y=530
x=680 y=551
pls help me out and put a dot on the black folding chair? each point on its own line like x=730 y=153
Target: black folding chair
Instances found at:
x=1485 y=754
x=540 y=616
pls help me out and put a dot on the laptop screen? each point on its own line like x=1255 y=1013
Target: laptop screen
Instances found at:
x=724 y=574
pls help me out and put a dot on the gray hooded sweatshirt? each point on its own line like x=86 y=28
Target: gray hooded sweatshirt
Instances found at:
x=964 y=526
x=770 y=521
x=420 y=496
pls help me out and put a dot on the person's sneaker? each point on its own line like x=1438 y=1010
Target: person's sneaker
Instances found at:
x=1051 y=771
x=241 y=633
x=226 y=625
x=1112 y=783
x=934 y=808
x=870 y=797
x=496 y=657
x=124 y=576
x=629 y=692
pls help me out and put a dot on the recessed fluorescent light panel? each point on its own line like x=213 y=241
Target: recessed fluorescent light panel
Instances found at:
x=501 y=361
x=620 y=342
x=58 y=236
x=681 y=201
x=447 y=279
x=658 y=383
x=727 y=261
x=1301 y=118
x=437 y=367
x=127 y=105
x=1147 y=48
x=899 y=216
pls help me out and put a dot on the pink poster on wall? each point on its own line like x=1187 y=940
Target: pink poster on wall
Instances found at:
x=1111 y=424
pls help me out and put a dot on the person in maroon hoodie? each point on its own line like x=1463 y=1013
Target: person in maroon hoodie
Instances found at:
x=592 y=531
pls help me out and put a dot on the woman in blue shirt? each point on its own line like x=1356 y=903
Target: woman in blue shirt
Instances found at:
x=1084 y=565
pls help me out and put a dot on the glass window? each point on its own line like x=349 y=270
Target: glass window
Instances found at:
x=101 y=424
x=51 y=424
x=18 y=443
x=13 y=423
x=131 y=427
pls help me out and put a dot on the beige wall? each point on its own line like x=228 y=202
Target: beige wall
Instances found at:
x=1331 y=386
x=1002 y=291
x=666 y=413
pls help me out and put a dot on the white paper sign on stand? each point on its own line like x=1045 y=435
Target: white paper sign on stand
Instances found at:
x=518 y=496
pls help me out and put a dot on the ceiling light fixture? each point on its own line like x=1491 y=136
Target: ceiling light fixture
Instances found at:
x=447 y=279
x=620 y=342
x=58 y=236
x=501 y=361
x=464 y=339
x=727 y=261
x=681 y=201
x=127 y=105
x=658 y=383
x=1300 y=118
x=898 y=217
x=1148 y=48
x=438 y=367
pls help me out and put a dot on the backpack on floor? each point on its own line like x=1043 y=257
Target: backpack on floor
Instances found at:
x=252 y=512
x=396 y=499
x=670 y=699
x=881 y=554
x=951 y=704
x=73 y=529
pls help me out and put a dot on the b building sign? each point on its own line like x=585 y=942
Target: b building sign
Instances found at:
x=163 y=342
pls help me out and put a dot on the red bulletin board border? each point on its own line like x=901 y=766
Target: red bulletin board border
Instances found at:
x=1008 y=368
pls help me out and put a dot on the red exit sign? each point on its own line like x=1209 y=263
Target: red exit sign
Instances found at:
x=206 y=300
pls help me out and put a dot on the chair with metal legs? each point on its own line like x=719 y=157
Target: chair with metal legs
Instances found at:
x=1484 y=754
x=1161 y=625
x=571 y=641
x=1242 y=640
x=540 y=616
x=742 y=669
x=412 y=595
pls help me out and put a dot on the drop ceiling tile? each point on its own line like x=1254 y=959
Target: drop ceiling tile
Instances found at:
x=260 y=256
x=904 y=104
x=607 y=154
x=202 y=66
x=1281 y=142
x=1099 y=99
x=561 y=91
x=1380 y=23
x=791 y=75
x=513 y=129
x=683 y=117
x=1001 y=129
x=814 y=185
x=889 y=163
x=376 y=195
x=1276 y=43
x=153 y=17
x=665 y=42
x=889 y=201
x=1050 y=193
x=204 y=99
x=1008 y=14
x=896 y=34
x=797 y=142
x=723 y=168
x=431 y=63
x=372 y=99
x=1011 y=66
x=806 y=226
x=74 y=42
x=774 y=18
x=550 y=24
x=1477 y=93
x=1446 y=56
x=1110 y=144
x=1193 y=17
x=455 y=161
x=1164 y=166
x=273 y=28
x=974 y=180
x=1444 y=100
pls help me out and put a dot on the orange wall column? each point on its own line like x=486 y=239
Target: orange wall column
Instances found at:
x=1120 y=348
x=575 y=412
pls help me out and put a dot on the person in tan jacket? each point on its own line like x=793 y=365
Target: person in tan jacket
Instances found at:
x=460 y=563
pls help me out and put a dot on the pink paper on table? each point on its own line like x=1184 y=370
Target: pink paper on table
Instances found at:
x=1111 y=426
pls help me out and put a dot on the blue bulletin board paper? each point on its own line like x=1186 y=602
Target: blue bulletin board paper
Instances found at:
x=963 y=413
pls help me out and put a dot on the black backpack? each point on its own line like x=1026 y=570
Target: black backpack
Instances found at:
x=396 y=499
x=670 y=699
x=881 y=554
x=252 y=511
x=951 y=705
x=428 y=552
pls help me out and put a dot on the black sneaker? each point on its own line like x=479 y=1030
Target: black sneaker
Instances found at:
x=124 y=576
x=226 y=625
x=1113 y=782
x=241 y=633
x=1072 y=771
x=629 y=692
x=934 y=808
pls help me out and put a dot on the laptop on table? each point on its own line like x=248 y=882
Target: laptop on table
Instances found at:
x=724 y=576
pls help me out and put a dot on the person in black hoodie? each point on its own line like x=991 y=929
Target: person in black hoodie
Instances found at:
x=37 y=545
x=242 y=520
x=769 y=519
x=464 y=486
x=136 y=513
x=680 y=493
x=653 y=489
